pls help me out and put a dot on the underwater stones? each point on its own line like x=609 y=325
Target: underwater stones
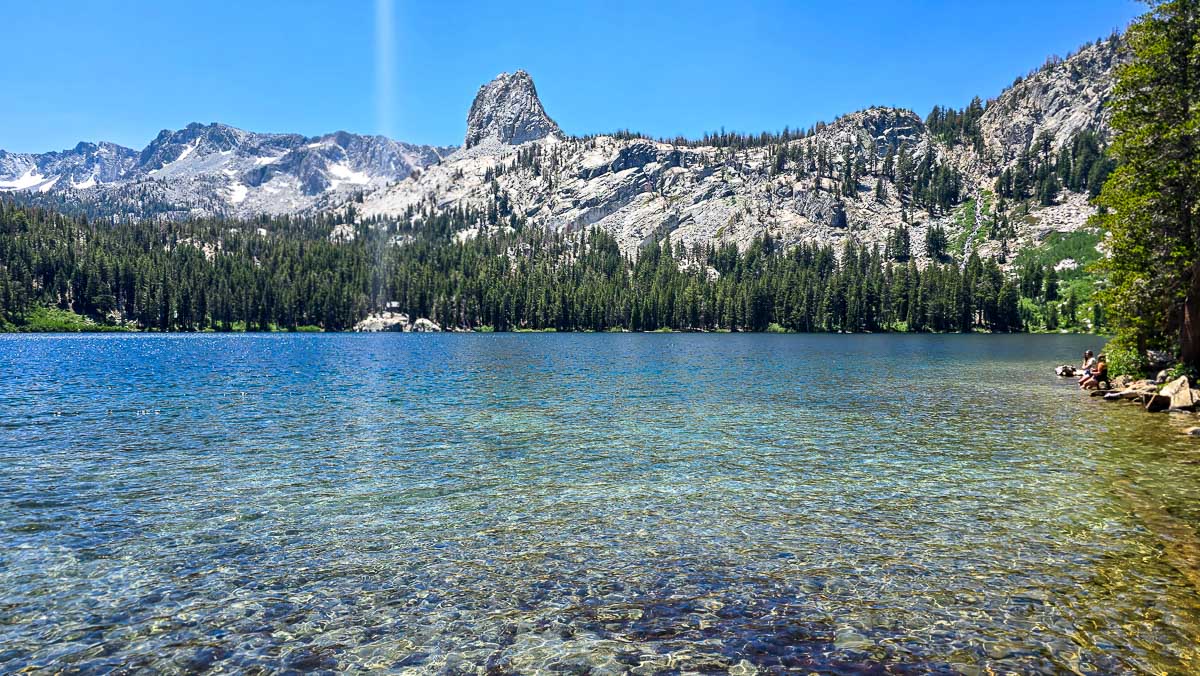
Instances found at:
x=743 y=668
x=852 y=640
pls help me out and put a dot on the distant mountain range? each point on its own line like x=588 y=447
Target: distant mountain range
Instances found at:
x=861 y=176
x=213 y=169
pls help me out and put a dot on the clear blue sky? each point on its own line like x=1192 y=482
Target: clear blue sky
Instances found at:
x=121 y=71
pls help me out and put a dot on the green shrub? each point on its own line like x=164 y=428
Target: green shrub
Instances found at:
x=486 y=328
x=1124 y=360
x=1181 y=370
x=776 y=328
x=58 y=320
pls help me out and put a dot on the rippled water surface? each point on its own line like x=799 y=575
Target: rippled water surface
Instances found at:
x=587 y=503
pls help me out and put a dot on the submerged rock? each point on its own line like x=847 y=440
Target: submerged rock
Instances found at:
x=852 y=640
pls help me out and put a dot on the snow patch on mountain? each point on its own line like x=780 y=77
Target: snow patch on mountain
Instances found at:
x=30 y=179
x=344 y=174
x=237 y=193
x=84 y=185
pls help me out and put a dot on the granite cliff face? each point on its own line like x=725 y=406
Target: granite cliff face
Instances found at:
x=507 y=111
x=641 y=189
x=1060 y=99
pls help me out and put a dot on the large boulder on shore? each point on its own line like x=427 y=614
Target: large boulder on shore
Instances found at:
x=1181 y=393
x=424 y=325
x=1176 y=394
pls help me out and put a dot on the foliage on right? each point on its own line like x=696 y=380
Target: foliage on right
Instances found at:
x=1148 y=205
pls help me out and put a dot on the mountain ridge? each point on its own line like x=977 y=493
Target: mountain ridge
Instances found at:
x=863 y=176
x=982 y=174
x=212 y=169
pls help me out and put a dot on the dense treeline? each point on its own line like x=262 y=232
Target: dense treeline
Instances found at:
x=585 y=283
x=958 y=126
x=289 y=273
x=181 y=276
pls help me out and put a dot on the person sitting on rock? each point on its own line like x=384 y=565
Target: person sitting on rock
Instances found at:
x=1098 y=375
x=1089 y=364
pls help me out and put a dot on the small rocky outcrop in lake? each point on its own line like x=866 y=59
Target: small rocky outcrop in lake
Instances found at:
x=396 y=322
x=383 y=321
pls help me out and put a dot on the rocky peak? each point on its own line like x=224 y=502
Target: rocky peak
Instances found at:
x=874 y=130
x=507 y=111
x=1062 y=98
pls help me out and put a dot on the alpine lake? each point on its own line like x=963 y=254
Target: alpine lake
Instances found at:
x=587 y=503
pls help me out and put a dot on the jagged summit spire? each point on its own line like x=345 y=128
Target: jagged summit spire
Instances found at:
x=507 y=111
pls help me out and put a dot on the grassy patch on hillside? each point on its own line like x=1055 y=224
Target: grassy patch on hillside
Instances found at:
x=1079 y=246
x=966 y=223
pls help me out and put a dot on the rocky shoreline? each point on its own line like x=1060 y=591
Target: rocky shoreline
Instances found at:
x=1160 y=395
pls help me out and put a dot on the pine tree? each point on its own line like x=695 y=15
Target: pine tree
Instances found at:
x=1152 y=198
x=1051 y=290
x=935 y=242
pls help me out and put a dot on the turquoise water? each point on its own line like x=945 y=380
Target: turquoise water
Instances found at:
x=586 y=503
